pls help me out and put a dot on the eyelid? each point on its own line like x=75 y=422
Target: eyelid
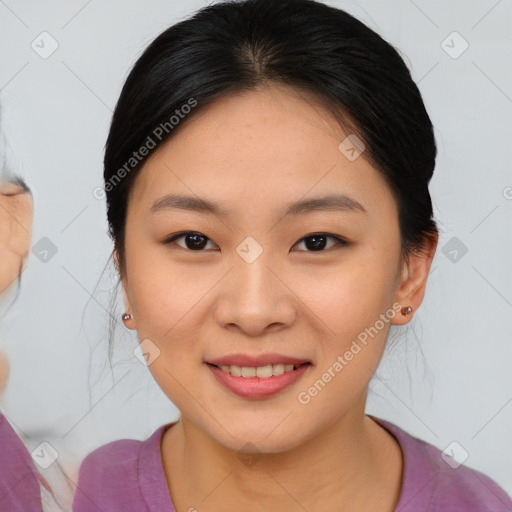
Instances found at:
x=173 y=238
x=340 y=241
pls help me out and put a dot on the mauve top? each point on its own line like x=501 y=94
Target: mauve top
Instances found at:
x=19 y=478
x=128 y=475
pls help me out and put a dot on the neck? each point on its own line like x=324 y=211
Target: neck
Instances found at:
x=354 y=462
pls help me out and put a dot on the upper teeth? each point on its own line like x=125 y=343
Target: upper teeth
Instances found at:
x=259 y=371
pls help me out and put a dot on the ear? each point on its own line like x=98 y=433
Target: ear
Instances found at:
x=130 y=324
x=413 y=280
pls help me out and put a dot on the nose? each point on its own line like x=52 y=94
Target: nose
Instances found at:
x=255 y=298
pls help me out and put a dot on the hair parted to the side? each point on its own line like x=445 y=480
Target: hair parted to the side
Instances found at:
x=235 y=46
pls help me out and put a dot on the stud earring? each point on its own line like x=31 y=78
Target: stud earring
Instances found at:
x=406 y=310
x=126 y=317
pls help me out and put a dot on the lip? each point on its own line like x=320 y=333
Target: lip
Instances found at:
x=256 y=387
x=261 y=360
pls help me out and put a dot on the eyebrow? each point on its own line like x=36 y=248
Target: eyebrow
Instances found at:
x=332 y=202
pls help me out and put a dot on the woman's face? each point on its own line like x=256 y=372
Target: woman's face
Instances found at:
x=255 y=281
x=16 y=212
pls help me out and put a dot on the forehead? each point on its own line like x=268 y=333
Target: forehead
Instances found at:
x=270 y=145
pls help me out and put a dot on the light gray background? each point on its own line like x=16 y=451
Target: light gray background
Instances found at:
x=449 y=377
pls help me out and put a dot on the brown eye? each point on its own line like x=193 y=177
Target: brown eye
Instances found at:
x=193 y=241
x=318 y=241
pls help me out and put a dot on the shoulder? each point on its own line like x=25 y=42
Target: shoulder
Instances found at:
x=434 y=481
x=459 y=487
x=19 y=478
x=109 y=477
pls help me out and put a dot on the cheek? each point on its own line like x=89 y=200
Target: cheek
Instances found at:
x=10 y=262
x=168 y=302
x=166 y=305
x=167 y=315
x=162 y=291
x=354 y=308
x=351 y=296
x=354 y=312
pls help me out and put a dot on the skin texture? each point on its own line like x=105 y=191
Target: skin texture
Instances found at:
x=255 y=153
x=16 y=212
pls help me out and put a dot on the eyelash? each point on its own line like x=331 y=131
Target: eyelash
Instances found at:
x=339 y=241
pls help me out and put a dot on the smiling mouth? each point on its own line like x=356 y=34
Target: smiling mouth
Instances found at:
x=263 y=372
